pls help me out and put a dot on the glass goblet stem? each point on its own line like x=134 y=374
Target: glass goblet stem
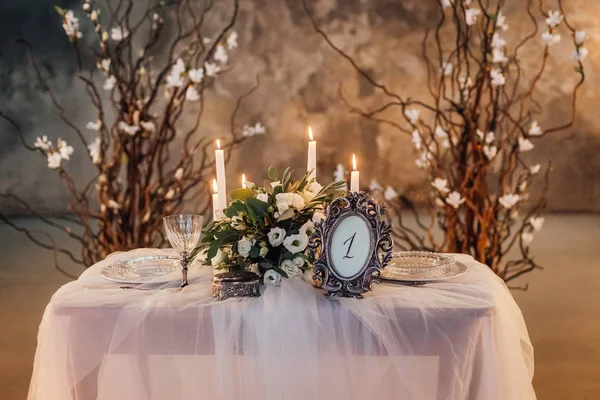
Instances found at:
x=184 y=268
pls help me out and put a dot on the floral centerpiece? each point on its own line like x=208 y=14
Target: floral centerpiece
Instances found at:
x=266 y=229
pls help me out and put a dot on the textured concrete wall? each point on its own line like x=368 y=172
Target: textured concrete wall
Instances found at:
x=300 y=78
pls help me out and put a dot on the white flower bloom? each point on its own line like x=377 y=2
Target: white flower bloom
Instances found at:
x=218 y=258
x=232 y=40
x=104 y=39
x=290 y=268
x=554 y=18
x=308 y=228
x=206 y=40
x=536 y=223
x=298 y=262
x=119 y=33
x=525 y=145
x=498 y=56
x=374 y=186
x=94 y=149
x=148 y=126
x=174 y=80
x=526 y=238
x=94 y=126
x=109 y=83
x=440 y=133
x=454 y=199
x=471 y=15
x=549 y=39
x=196 y=75
x=490 y=137
x=441 y=185
x=318 y=216
x=271 y=276
x=64 y=149
x=221 y=55
x=263 y=197
x=286 y=200
x=497 y=77
x=439 y=202
x=490 y=152
x=446 y=3
x=244 y=246
x=259 y=129
x=497 y=41
x=424 y=160
x=509 y=200
x=501 y=21
x=94 y=15
x=275 y=184
x=114 y=205
x=54 y=160
x=192 y=94
x=104 y=65
x=296 y=243
x=170 y=194
x=580 y=54
x=211 y=69
x=535 y=129
x=447 y=68
x=276 y=236
x=71 y=25
x=416 y=139
x=413 y=115
x=86 y=6
x=42 y=143
x=128 y=129
x=178 y=174
x=390 y=194
x=580 y=37
x=535 y=169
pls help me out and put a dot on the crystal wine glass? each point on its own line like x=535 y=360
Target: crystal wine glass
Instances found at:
x=183 y=231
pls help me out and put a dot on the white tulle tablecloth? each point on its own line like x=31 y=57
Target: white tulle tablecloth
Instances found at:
x=460 y=339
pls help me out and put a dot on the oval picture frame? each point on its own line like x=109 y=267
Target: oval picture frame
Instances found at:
x=350 y=246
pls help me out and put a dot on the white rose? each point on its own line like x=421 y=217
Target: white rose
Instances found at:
x=296 y=243
x=217 y=259
x=244 y=247
x=290 y=268
x=263 y=197
x=298 y=262
x=272 y=277
x=308 y=228
x=286 y=200
x=276 y=236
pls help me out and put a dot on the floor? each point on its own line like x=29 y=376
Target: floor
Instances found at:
x=561 y=307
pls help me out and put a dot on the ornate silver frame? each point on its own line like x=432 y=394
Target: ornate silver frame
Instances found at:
x=325 y=275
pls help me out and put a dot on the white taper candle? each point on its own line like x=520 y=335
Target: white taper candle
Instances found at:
x=311 y=165
x=354 y=176
x=215 y=199
x=221 y=180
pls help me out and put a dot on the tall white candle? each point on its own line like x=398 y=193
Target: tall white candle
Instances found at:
x=312 y=155
x=244 y=181
x=215 y=199
x=221 y=180
x=354 y=176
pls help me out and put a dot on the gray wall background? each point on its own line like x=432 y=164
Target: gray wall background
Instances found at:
x=300 y=76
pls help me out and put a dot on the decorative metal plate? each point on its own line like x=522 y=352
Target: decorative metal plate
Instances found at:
x=142 y=269
x=420 y=266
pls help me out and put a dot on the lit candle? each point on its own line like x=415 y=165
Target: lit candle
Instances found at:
x=354 y=185
x=221 y=183
x=312 y=155
x=215 y=199
x=244 y=181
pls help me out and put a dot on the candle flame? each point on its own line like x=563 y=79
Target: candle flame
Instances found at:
x=244 y=181
x=310 y=134
x=215 y=187
x=353 y=162
x=218 y=144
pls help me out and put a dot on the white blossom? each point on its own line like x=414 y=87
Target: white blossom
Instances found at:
x=308 y=228
x=71 y=25
x=257 y=129
x=94 y=15
x=501 y=21
x=549 y=39
x=289 y=200
x=64 y=149
x=178 y=174
x=206 y=40
x=232 y=40
x=416 y=139
x=471 y=15
x=525 y=145
x=94 y=126
x=86 y=6
x=129 y=129
x=497 y=41
x=196 y=75
x=487 y=138
x=579 y=54
x=221 y=55
x=276 y=236
x=535 y=129
x=104 y=65
x=148 y=126
x=526 y=238
x=170 y=194
x=413 y=115
x=554 y=18
x=290 y=269
x=109 y=83
x=244 y=246
x=454 y=199
x=536 y=223
x=211 y=69
x=447 y=68
x=298 y=262
x=192 y=94
x=54 y=160
x=273 y=277
x=490 y=152
x=374 y=186
x=175 y=78
x=509 y=200
x=42 y=143
x=498 y=56
x=497 y=77
x=296 y=243
x=440 y=132
x=446 y=3
x=263 y=197
x=441 y=185
x=535 y=169
x=580 y=37
x=390 y=193
x=119 y=33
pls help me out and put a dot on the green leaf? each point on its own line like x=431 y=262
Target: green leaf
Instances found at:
x=273 y=173
x=287 y=214
x=59 y=10
x=268 y=188
x=255 y=251
x=259 y=207
x=281 y=272
x=241 y=194
x=286 y=255
x=230 y=212
x=212 y=251
x=252 y=215
x=277 y=190
x=250 y=185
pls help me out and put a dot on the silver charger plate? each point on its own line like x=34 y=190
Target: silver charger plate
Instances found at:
x=142 y=269
x=414 y=267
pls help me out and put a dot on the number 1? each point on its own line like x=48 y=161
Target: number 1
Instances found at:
x=351 y=239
